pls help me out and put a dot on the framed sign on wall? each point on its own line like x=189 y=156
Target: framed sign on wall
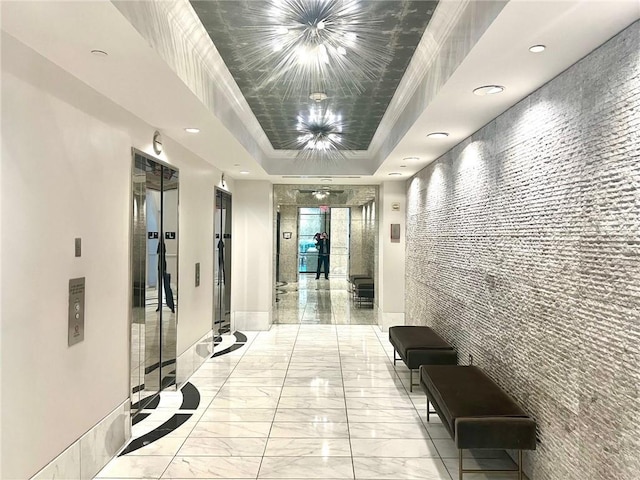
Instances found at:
x=395 y=232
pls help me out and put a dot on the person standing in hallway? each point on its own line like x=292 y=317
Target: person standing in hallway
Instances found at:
x=322 y=244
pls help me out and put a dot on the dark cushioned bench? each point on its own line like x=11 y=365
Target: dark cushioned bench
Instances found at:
x=363 y=288
x=352 y=282
x=353 y=278
x=418 y=345
x=476 y=411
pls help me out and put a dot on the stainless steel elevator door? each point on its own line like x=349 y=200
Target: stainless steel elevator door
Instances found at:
x=222 y=264
x=154 y=274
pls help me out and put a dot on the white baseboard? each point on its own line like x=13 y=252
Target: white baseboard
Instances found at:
x=193 y=357
x=251 y=321
x=386 y=320
x=90 y=453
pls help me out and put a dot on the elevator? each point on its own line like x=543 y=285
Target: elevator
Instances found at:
x=222 y=263
x=154 y=279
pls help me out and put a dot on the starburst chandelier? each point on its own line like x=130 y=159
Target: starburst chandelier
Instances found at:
x=320 y=134
x=314 y=45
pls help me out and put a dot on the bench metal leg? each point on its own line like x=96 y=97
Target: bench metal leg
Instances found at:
x=410 y=380
x=463 y=471
x=519 y=464
x=394 y=357
x=429 y=411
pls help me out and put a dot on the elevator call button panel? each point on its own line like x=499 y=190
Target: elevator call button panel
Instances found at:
x=76 y=310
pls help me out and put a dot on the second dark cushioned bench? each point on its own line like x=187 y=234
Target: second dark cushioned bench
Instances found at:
x=363 y=289
x=419 y=345
x=476 y=411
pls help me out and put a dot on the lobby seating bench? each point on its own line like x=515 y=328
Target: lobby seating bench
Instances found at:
x=419 y=345
x=352 y=282
x=363 y=289
x=476 y=412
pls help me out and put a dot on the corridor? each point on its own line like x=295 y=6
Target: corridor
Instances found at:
x=299 y=401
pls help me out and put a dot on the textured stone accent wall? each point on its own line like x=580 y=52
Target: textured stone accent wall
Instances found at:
x=339 y=241
x=523 y=249
x=288 y=248
x=363 y=244
x=356 y=260
x=370 y=244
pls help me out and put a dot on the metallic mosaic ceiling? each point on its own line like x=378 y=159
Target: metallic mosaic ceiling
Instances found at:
x=336 y=195
x=237 y=29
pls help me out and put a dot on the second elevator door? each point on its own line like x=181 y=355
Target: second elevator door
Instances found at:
x=222 y=264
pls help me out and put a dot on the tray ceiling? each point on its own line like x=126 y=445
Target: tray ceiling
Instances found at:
x=235 y=28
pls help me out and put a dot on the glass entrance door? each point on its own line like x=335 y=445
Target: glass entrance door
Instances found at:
x=222 y=264
x=311 y=221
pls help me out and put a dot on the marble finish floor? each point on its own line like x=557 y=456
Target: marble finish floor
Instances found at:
x=322 y=301
x=302 y=402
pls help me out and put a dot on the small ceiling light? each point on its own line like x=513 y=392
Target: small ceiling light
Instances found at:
x=192 y=130
x=321 y=194
x=411 y=159
x=438 y=135
x=326 y=180
x=244 y=172
x=341 y=50
x=395 y=174
x=537 y=48
x=318 y=96
x=99 y=53
x=488 y=90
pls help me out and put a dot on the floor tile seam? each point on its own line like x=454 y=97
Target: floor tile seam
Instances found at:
x=353 y=468
x=246 y=344
x=277 y=404
x=414 y=406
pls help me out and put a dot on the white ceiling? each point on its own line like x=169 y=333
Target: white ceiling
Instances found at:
x=135 y=76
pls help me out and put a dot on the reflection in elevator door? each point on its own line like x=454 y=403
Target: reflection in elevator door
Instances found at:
x=154 y=269
x=222 y=264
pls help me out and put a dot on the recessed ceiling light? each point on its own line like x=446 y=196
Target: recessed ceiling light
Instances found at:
x=244 y=172
x=411 y=159
x=537 y=48
x=395 y=174
x=488 y=90
x=318 y=96
x=438 y=135
x=326 y=180
x=100 y=53
x=192 y=130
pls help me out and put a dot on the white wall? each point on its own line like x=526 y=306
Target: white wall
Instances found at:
x=196 y=206
x=66 y=173
x=392 y=256
x=253 y=282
